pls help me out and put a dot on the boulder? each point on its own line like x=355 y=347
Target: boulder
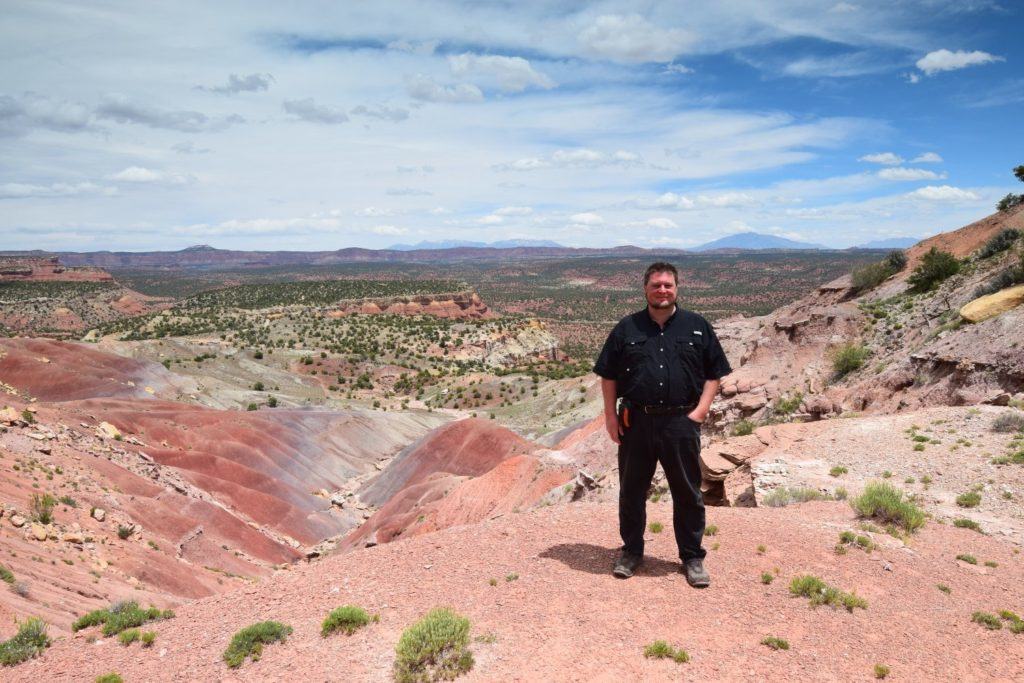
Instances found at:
x=73 y=537
x=38 y=532
x=17 y=521
x=99 y=514
x=992 y=305
x=108 y=431
x=9 y=415
x=713 y=467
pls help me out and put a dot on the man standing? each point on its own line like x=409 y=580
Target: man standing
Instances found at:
x=665 y=365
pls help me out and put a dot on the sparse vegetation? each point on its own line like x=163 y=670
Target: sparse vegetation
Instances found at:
x=743 y=428
x=970 y=499
x=883 y=502
x=820 y=593
x=250 y=640
x=660 y=649
x=1008 y=423
x=988 y=620
x=767 y=578
x=42 y=507
x=935 y=267
x=783 y=496
x=111 y=677
x=964 y=523
x=655 y=527
x=847 y=358
x=775 y=642
x=969 y=559
x=128 y=637
x=1012 y=200
x=837 y=471
x=123 y=532
x=119 y=617
x=434 y=648
x=30 y=641
x=710 y=530
x=6 y=575
x=348 y=619
x=881 y=670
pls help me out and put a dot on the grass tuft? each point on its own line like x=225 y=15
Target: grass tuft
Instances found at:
x=988 y=620
x=775 y=642
x=820 y=593
x=883 y=502
x=250 y=640
x=660 y=649
x=964 y=523
x=28 y=642
x=348 y=619
x=434 y=648
x=881 y=670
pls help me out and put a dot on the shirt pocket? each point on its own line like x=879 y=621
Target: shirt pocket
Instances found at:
x=690 y=351
x=634 y=353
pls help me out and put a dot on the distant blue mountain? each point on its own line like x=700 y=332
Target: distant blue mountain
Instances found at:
x=755 y=240
x=890 y=243
x=452 y=244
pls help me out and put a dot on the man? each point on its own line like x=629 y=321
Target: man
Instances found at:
x=664 y=366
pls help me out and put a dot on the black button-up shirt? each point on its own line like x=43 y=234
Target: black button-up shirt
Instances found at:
x=655 y=366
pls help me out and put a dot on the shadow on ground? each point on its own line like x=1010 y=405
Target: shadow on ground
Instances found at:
x=595 y=559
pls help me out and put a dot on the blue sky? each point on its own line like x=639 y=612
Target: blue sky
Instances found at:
x=322 y=125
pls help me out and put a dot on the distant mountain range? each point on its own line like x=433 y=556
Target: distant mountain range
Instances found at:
x=890 y=243
x=754 y=241
x=453 y=244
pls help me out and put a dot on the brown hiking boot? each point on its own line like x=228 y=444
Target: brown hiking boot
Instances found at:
x=627 y=564
x=696 y=575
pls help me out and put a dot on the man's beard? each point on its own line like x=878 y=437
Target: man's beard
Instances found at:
x=662 y=304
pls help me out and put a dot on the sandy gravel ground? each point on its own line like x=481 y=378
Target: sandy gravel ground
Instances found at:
x=566 y=618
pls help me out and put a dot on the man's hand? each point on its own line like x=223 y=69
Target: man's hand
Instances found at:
x=611 y=424
x=698 y=415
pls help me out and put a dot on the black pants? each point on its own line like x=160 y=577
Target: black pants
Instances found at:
x=674 y=441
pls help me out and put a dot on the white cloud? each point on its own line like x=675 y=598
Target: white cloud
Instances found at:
x=912 y=78
x=573 y=158
x=633 y=40
x=587 y=218
x=26 y=190
x=425 y=88
x=388 y=230
x=237 y=84
x=18 y=114
x=374 y=211
x=309 y=110
x=901 y=173
x=887 y=158
x=379 y=111
x=138 y=174
x=123 y=110
x=409 y=168
x=439 y=211
x=843 y=8
x=725 y=200
x=927 y=158
x=511 y=74
x=490 y=219
x=945 y=60
x=943 y=193
x=673 y=68
x=661 y=223
x=407 y=192
x=422 y=48
x=514 y=211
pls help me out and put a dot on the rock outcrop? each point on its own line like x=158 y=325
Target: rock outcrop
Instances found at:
x=48 y=269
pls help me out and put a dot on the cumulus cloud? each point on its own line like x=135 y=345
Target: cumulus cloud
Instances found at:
x=138 y=174
x=123 y=110
x=943 y=193
x=946 y=60
x=587 y=218
x=632 y=39
x=490 y=219
x=18 y=114
x=886 y=158
x=27 y=190
x=237 y=84
x=379 y=111
x=725 y=200
x=373 y=211
x=901 y=173
x=309 y=110
x=927 y=158
x=660 y=223
x=388 y=230
x=511 y=74
x=514 y=211
x=425 y=88
x=573 y=158
x=673 y=68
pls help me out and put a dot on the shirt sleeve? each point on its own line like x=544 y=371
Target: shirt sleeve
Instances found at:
x=716 y=365
x=609 y=360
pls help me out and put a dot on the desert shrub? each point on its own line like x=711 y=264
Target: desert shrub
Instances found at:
x=123 y=532
x=743 y=428
x=128 y=637
x=119 y=617
x=1010 y=201
x=112 y=677
x=710 y=530
x=881 y=670
x=767 y=578
x=883 y=502
x=775 y=643
x=28 y=642
x=1008 y=277
x=896 y=260
x=148 y=638
x=969 y=559
x=870 y=276
x=28 y=416
x=42 y=507
x=1002 y=241
x=789 y=404
x=935 y=267
x=347 y=619
x=838 y=470
x=820 y=593
x=434 y=648
x=847 y=358
x=970 y=499
x=989 y=621
x=1008 y=422
x=782 y=496
x=964 y=523
x=6 y=575
x=250 y=640
x=655 y=527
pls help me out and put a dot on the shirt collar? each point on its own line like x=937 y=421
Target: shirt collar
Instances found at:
x=668 y=321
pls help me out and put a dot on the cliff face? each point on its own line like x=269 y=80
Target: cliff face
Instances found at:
x=48 y=269
x=456 y=305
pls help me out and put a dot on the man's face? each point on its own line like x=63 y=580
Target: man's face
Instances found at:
x=661 y=290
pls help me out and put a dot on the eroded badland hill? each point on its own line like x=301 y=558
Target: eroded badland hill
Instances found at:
x=273 y=452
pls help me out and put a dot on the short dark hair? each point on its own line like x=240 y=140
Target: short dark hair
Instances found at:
x=660 y=267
